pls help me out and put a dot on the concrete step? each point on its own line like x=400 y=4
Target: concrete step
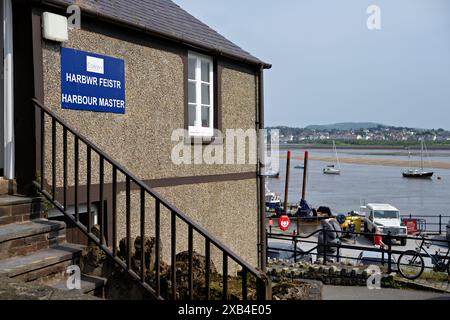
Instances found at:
x=20 y=239
x=89 y=285
x=42 y=265
x=15 y=209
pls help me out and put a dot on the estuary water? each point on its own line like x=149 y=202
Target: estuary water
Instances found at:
x=359 y=184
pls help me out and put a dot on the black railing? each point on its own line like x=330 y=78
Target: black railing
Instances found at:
x=387 y=252
x=263 y=286
x=430 y=223
x=426 y=224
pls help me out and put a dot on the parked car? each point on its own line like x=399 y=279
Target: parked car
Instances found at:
x=448 y=231
x=277 y=251
x=386 y=219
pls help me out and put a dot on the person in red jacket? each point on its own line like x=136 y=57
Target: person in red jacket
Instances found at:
x=378 y=239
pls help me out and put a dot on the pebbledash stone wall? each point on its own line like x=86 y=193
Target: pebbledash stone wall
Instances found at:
x=140 y=140
x=219 y=207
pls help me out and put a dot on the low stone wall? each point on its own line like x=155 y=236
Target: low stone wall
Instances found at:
x=331 y=274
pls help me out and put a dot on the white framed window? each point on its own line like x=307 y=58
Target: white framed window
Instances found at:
x=200 y=95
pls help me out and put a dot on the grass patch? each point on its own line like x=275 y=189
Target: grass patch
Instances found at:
x=435 y=276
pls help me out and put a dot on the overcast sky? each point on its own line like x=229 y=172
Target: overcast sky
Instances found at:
x=328 y=67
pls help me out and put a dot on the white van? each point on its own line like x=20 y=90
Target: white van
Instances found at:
x=386 y=219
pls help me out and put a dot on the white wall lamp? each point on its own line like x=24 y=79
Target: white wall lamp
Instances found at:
x=55 y=27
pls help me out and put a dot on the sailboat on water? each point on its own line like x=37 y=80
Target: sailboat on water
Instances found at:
x=418 y=172
x=270 y=172
x=334 y=168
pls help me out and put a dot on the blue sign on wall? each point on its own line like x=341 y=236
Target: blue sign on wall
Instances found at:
x=92 y=82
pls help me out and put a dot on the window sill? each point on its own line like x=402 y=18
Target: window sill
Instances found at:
x=202 y=136
x=196 y=132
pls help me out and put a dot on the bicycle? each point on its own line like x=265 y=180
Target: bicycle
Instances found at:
x=411 y=264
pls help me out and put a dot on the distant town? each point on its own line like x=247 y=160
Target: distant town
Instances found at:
x=362 y=134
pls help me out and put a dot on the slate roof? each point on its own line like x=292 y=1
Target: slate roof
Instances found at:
x=166 y=19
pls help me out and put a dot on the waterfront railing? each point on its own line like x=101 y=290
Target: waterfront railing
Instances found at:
x=325 y=256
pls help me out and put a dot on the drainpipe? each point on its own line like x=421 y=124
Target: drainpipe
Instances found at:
x=262 y=194
x=8 y=91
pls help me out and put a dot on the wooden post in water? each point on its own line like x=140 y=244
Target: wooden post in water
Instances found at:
x=286 y=186
x=305 y=176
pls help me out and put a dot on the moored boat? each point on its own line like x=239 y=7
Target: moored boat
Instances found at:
x=419 y=173
x=272 y=174
x=273 y=200
x=331 y=169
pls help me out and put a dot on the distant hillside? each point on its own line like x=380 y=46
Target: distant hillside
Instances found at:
x=345 y=126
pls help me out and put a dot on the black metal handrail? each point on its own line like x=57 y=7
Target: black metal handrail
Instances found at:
x=263 y=286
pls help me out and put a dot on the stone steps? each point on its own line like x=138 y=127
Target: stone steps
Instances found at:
x=42 y=265
x=16 y=209
x=89 y=285
x=14 y=289
x=33 y=250
x=19 y=239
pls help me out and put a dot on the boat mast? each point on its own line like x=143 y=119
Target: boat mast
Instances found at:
x=409 y=158
x=427 y=155
x=421 y=155
x=337 y=158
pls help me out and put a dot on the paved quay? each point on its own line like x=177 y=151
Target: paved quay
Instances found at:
x=362 y=293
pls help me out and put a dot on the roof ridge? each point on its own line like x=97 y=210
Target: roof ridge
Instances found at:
x=213 y=30
x=166 y=19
